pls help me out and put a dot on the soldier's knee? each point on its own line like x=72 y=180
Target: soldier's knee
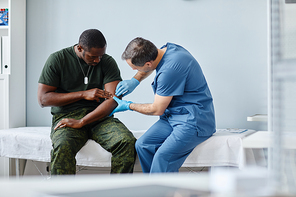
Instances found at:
x=63 y=146
x=125 y=145
x=130 y=142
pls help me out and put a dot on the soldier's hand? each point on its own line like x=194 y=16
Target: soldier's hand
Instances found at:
x=69 y=122
x=96 y=94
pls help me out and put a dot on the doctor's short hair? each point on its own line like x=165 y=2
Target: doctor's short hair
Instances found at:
x=140 y=51
x=92 y=38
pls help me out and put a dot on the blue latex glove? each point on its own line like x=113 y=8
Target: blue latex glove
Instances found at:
x=122 y=105
x=126 y=86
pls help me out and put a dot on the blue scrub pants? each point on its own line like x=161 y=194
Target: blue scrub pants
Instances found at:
x=165 y=146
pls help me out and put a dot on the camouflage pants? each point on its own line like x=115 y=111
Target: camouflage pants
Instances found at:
x=109 y=132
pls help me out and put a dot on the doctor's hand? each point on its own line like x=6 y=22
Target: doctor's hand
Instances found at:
x=122 y=105
x=125 y=87
x=69 y=122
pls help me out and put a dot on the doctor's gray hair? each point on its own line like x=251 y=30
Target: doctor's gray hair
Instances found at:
x=140 y=51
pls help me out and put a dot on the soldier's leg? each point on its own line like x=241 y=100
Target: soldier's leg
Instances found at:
x=66 y=142
x=114 y=137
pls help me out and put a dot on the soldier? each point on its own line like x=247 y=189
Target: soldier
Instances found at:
x=77 y=82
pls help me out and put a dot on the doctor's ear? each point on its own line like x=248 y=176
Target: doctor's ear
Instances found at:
x=149 y=64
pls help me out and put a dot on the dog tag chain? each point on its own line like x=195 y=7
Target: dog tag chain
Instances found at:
x=85 y=76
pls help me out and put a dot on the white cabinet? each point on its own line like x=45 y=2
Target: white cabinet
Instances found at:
x=13 y=84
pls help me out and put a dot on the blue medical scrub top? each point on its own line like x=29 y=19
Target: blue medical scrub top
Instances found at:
x=178 y=74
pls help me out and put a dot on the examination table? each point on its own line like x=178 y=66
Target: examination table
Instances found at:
x=224 y=148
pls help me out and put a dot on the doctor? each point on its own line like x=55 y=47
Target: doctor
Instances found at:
x=182 y=100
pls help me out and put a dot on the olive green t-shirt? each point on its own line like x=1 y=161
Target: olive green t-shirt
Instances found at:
x=63 y=71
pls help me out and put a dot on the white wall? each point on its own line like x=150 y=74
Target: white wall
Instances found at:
x=227 y=37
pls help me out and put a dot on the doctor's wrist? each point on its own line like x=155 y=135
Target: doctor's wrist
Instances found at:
x=136 y=81
x=131 y=106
